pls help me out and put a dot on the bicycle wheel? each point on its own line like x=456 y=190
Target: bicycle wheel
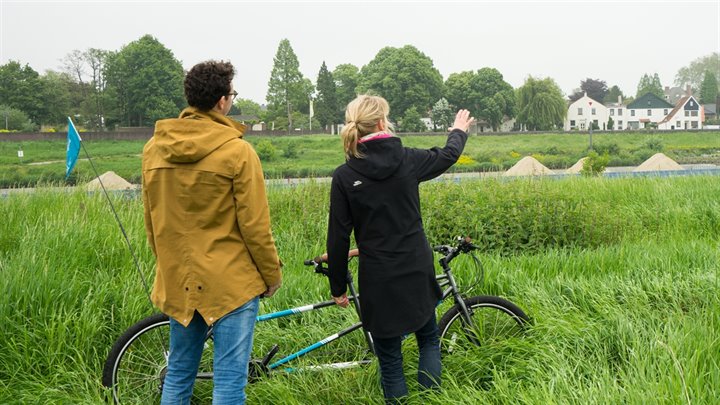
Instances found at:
x=136 y=366
x=494 y=319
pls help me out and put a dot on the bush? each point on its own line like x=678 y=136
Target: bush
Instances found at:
x=290 y=151
x=595 y=164
x=610 y=148
x=654 y=144
x=266 y=151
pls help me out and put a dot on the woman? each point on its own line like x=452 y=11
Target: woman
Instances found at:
x=375 y=194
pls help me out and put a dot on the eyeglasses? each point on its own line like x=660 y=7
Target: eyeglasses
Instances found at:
x=233 y=94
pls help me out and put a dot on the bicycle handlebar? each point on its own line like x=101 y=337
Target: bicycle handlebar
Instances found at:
x=464 y=245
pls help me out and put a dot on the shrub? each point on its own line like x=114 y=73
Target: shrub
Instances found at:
x=266 y=151
x=653 y=143
x=290 y=151
x=465 y=160
x=610 y=148
x=595 y=164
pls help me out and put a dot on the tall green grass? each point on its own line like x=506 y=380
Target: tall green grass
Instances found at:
x=619 y=276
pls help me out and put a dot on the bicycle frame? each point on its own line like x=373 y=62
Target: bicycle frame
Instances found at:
x=445 y=280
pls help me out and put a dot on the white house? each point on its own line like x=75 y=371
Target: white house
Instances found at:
x=584 y=111
x=618 y=112
x=647 y=110
x=687 y=114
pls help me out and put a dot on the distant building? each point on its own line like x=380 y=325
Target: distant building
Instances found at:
x=647 y=111
x=585 y=111
x=687 y=114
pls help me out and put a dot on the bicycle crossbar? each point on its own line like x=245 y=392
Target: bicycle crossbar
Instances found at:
x=314 y=346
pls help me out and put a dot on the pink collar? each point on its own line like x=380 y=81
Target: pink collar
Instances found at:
x=377 y=135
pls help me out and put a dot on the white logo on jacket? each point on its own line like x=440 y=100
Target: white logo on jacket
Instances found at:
x=357 y=183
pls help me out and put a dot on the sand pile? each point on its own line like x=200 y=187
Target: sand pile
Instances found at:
x=528 y=166
x=577 y=167
x=111 y=181
x=658 y=162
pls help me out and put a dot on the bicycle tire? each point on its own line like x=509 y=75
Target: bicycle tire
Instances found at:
x=135 y=368
x=496 y=319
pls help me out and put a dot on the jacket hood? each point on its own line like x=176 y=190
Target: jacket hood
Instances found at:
x=382 y=158
x=194 y=134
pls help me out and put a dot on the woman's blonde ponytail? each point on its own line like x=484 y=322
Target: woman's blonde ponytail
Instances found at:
x=362 y=117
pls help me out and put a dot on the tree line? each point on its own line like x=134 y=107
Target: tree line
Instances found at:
x=143 y=82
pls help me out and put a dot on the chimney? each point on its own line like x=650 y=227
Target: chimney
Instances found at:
x=667 y=89
x=688 y=90
x=619 y=99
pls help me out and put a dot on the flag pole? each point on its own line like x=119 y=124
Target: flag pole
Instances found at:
x=112 y=207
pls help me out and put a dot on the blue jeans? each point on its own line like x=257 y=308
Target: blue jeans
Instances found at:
x=232 y=338
x=389 y=354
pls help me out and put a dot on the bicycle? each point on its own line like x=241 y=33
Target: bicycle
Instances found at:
x=135 y=368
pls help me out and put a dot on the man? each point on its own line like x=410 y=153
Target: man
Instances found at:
x=207 y=221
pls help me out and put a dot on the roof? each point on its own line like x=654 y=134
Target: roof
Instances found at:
x=710 y=108
x=680 y=104
x=649 y=100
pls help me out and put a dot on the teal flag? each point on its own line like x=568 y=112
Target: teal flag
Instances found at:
x=73 y=148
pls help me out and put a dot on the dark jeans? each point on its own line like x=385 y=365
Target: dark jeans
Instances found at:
x=389 y=354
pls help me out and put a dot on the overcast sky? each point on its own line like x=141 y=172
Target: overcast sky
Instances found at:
x=569 y=41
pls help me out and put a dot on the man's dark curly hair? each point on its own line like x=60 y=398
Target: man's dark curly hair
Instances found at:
x=206 y=82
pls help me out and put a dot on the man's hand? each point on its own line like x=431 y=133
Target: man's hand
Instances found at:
x=463 y=120
x=342 y=300
x=271 y=290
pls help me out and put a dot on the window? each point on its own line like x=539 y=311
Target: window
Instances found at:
x=632 y=113
x=687 y=113
x=580 y=111
x=694 y=113
x=692 y=103
x=572 y=123
x=665 y=111
x=677 y=124
x=694 y=124
x=582 y=125
x=649 y=113
x=593 y=111
x=612 y=112
x=619 y=111
x=619 y=125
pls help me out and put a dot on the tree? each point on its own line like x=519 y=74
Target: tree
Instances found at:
x=326 y=107
x=709 y=88
x=96 y=59
x=412 y=121
x=596 y=89
x=442 y=114
x=346 y=79
x=405 y=77
x=650 y=85
x=12 y=119
x=58 y=98
x=146 y=80
x=694 y=73
x=484 y=93
x=286 y=87
x=613 y=94
x=248 y=107
x=21 y=88
x=541 y=105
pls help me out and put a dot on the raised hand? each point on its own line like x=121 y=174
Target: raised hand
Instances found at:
x=463 y=120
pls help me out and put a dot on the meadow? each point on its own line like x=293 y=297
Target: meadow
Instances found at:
x=620 y=277
x=318 y=155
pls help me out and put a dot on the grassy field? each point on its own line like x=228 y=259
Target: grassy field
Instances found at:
x=619 y=276
x=318 y=155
